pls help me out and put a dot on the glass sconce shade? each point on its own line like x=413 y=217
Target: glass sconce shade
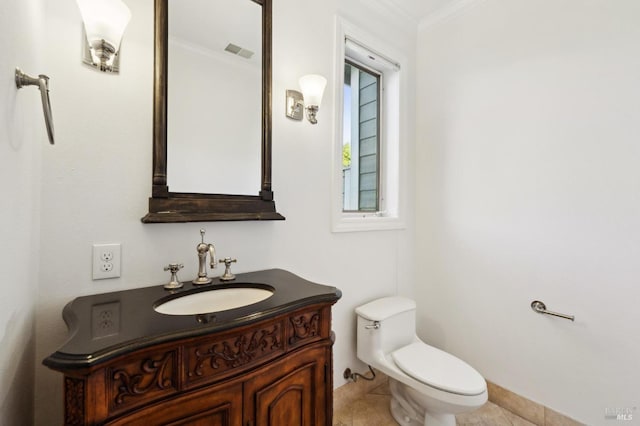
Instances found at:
x=312 y=87
x=104 y=23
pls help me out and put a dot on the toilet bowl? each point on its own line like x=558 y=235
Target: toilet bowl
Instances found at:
x=428 y=386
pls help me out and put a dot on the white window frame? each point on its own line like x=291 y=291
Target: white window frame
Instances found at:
x=392 y=163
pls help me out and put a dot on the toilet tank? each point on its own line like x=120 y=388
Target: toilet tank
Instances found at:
x=397 y=318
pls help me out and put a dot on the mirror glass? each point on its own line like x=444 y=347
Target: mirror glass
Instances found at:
x=214 y=96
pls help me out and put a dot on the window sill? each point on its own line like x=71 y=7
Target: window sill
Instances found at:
x=357 y=222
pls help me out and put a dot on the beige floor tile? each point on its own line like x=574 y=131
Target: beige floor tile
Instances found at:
x=383 y=389
x=553 y=418
x=515 y=419
x=346 y=394
x=342 y=420
x=488 y=414
x=372 y=410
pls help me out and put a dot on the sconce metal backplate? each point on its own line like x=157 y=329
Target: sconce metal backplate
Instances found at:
x=295 y=105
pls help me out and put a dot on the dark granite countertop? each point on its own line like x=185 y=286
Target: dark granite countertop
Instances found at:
x=132 y=323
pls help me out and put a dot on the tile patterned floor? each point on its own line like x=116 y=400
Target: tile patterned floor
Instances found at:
x=373 y=410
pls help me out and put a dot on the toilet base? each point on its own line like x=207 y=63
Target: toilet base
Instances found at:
x=406 y=412
x=440 y=420
x=401 y=415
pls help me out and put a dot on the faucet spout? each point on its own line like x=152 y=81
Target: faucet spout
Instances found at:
x=212 y=256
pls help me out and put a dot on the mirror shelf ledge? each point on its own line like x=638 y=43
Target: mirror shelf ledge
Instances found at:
x=188 y=207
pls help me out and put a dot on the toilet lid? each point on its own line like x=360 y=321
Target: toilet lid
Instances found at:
x=439 y=369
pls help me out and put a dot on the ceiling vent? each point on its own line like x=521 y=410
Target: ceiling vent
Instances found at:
x=237 y=50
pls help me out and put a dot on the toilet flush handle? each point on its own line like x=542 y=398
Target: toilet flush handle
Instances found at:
x=375 y=325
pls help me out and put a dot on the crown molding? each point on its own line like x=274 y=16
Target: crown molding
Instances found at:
x=391 y=8
x=445 y=13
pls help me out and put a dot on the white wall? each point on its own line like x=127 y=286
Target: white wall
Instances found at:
x=529 y=122
x=205 y=84
x=22 y=136
x=96 y=182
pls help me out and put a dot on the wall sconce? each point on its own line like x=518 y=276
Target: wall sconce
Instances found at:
x=104 y=24
x=312 y=87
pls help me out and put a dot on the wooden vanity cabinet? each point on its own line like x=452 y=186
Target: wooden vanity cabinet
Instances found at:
x=217 y=405
x=292 y=392
x=276 y=372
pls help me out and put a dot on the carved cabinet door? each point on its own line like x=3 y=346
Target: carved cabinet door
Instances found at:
x=214 y=406
x=289 y=393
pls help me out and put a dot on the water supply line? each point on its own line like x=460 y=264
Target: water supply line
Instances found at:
x=354 y=376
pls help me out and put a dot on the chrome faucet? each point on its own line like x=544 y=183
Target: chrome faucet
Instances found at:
x=204 y=248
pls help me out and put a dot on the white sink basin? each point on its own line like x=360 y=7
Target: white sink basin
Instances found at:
x=214 y=300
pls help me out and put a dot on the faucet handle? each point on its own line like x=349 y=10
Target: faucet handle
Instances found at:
x=227 y=276
x=174 y=267
x=173 y=283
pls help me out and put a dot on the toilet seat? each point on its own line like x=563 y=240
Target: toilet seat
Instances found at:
x=439 y=369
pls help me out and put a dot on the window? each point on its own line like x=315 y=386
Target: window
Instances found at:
x=361 y=142
x=367 y=175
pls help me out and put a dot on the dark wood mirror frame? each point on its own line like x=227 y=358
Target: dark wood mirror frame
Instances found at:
x=166 y=206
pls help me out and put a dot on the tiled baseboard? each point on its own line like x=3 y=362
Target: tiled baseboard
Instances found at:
x=531 y=411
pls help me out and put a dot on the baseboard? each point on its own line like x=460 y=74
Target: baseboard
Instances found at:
x=531 y=411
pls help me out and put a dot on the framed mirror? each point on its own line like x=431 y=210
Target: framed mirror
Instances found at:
x=212 y=112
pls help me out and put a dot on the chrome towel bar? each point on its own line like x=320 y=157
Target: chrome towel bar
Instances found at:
x=541 y=308
x=42 y=83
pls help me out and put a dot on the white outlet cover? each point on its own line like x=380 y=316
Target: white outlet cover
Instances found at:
x=106 y=261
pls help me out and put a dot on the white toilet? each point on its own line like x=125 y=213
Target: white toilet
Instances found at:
x=428 y=386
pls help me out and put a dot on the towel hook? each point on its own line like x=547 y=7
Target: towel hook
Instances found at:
x=42 y=82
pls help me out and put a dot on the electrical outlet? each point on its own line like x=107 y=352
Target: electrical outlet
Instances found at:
x=106 y=261
x=106 y=255
x=105 y=319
